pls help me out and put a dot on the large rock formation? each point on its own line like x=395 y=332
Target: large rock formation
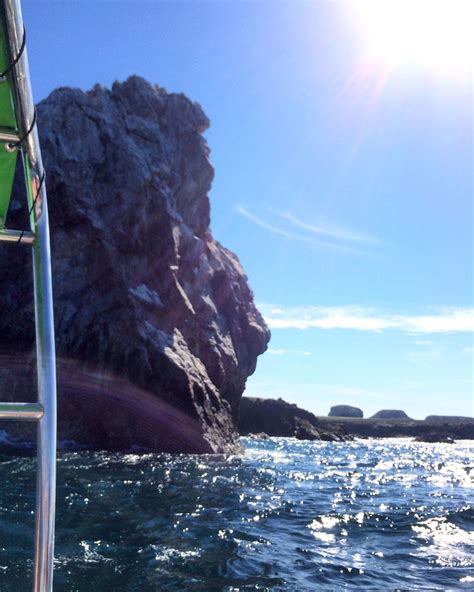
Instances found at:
x=390 y=414
x=345 y=411
x=146 y=301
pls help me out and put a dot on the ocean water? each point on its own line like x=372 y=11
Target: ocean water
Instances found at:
x=286 y=515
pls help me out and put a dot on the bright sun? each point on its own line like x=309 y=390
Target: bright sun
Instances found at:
x=437 y=34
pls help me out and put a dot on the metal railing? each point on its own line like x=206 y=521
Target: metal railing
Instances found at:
x=44 y=410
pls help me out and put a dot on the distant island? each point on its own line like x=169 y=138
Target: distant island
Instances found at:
x=276 y=417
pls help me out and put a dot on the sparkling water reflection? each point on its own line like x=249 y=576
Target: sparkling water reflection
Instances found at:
x=288 y=515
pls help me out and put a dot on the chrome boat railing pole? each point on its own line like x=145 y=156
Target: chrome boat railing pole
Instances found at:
x=45 y=346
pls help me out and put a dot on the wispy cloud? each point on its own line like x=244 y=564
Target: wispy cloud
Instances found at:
x=423 y=342
x=424 y=358
x=338 y=233
x=468 y=351
x=307 y=238
x=285 y=352
x=446 y=320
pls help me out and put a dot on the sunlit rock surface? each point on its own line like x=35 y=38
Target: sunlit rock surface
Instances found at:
x=144 y=295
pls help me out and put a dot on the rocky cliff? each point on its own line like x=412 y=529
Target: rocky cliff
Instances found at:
x=156 y=326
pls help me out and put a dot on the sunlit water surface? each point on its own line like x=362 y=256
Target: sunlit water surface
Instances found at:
x=287 y=515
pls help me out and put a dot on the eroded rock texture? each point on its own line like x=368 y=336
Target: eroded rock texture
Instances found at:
x=143 y=293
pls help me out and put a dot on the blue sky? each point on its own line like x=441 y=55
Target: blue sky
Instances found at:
x=344 y=185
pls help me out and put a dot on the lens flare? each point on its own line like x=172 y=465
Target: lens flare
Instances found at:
x=435 y=34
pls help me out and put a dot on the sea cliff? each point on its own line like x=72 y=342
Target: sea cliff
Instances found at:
x=156 y=326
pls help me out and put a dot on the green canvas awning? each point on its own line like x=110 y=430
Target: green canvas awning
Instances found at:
x=7 y=125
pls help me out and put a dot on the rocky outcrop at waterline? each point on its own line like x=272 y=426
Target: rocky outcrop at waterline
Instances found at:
x=144 y=295
x=276 y=417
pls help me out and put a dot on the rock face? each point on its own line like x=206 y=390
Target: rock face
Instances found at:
x=144 y=296
x=390 y=414
x=345 y=411
x=275 y=417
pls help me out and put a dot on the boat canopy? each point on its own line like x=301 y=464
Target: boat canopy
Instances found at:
x=8 y=132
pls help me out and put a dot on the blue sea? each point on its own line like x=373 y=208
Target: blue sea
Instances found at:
x=286 y=515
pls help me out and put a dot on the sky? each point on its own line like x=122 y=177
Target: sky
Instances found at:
x=343 y=147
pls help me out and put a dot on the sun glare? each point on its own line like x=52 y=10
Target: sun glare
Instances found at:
x=436 y=34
